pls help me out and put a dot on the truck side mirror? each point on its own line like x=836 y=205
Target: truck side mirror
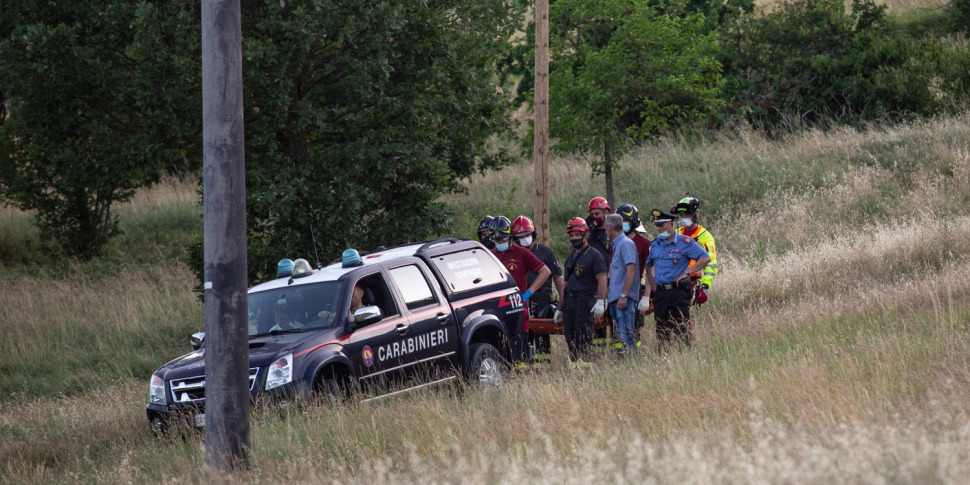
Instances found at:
x=367 y=315
x=197 y=340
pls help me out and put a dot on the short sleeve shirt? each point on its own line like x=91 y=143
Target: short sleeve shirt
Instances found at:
x=519 y=261
x=643 y=250
x=544 y=295
x=624 y=253
x=671 y=258
x=582 y=268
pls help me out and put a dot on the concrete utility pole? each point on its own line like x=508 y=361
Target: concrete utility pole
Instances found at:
x=540 y=141
x=224 y=208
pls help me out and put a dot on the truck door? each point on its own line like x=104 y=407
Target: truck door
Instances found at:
x=374 y=348
x=433 y=338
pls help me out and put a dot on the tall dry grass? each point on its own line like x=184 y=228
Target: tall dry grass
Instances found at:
x=835 y=348
x=879 y=400
x=764 y=196
x=74 y=327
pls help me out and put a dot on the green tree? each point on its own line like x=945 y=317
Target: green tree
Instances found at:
x=519 y=66
x=360 y=115
x=815 y=61
x=622 y=73
x=97 y=92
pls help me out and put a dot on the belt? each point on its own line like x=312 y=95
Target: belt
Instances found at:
x=668 y=286
x=573 y=293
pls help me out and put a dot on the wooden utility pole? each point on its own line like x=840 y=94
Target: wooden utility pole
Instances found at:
x=540 y=142
x=224 y=209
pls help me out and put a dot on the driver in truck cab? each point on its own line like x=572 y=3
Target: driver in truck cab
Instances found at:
x=284 y=317
x=356 y=303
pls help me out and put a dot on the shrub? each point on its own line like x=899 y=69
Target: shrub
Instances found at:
x=810 y=61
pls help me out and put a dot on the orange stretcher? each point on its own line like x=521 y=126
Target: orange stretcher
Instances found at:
x=545 y=326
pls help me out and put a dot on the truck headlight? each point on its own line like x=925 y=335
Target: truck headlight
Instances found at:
x=280 y=372
x=156 y=390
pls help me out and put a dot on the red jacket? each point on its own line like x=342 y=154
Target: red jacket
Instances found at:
x=519 y=260
x=643 y=250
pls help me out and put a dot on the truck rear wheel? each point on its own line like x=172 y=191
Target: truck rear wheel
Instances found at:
x=486 y=365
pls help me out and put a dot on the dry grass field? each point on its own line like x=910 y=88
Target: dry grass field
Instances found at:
x=835 y=347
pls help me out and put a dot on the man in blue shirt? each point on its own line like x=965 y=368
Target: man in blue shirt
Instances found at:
x=668 y=278
x=624 y=286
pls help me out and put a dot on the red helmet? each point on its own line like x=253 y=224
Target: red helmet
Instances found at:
x=522 y=226
x=599 y=203
x=576 y=224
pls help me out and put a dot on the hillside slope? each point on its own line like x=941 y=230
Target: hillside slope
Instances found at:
x=835 y=347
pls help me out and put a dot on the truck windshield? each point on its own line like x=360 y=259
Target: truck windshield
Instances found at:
x=294 y=308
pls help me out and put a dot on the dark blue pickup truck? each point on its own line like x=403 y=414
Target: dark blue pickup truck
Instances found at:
x=431 y=313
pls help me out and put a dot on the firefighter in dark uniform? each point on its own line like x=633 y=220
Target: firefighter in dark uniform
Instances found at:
x=541 y=305
x=584 y=299
x=599 y=208
x=668 y=279
x=631 y=228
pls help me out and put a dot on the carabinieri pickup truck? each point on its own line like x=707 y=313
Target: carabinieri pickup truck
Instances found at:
x=423 y=314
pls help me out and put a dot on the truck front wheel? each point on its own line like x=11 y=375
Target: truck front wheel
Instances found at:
x=328 y=391
x=486 y=365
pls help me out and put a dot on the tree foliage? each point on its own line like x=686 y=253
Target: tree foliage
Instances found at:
x=810 y=61
x=96 y=91
x=624 y=72
x=360 y=115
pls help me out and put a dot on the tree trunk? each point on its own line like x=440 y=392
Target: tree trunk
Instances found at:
x=224 y=209
x=540 y=153
x=608 y=173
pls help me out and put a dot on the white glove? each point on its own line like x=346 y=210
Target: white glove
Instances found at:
x=599 y=308
x=644 y=304
x=557 y=318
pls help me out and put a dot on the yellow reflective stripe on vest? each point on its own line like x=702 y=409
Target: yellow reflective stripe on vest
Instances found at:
x=706 y=240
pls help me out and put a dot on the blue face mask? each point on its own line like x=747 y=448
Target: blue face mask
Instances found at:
x=626 y=228
x=502 y=247
x=663 y=235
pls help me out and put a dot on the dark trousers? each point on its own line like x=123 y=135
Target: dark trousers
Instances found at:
x=639 y=323
x=577 y=319
x=671 y=309
x=541 y=309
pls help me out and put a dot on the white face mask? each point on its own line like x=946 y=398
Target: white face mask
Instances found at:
x=526 y=241
x=686 y=221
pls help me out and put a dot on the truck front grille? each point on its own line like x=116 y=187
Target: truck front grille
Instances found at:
x=193 y=388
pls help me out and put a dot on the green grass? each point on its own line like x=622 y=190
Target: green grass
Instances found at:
x=18 y=237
